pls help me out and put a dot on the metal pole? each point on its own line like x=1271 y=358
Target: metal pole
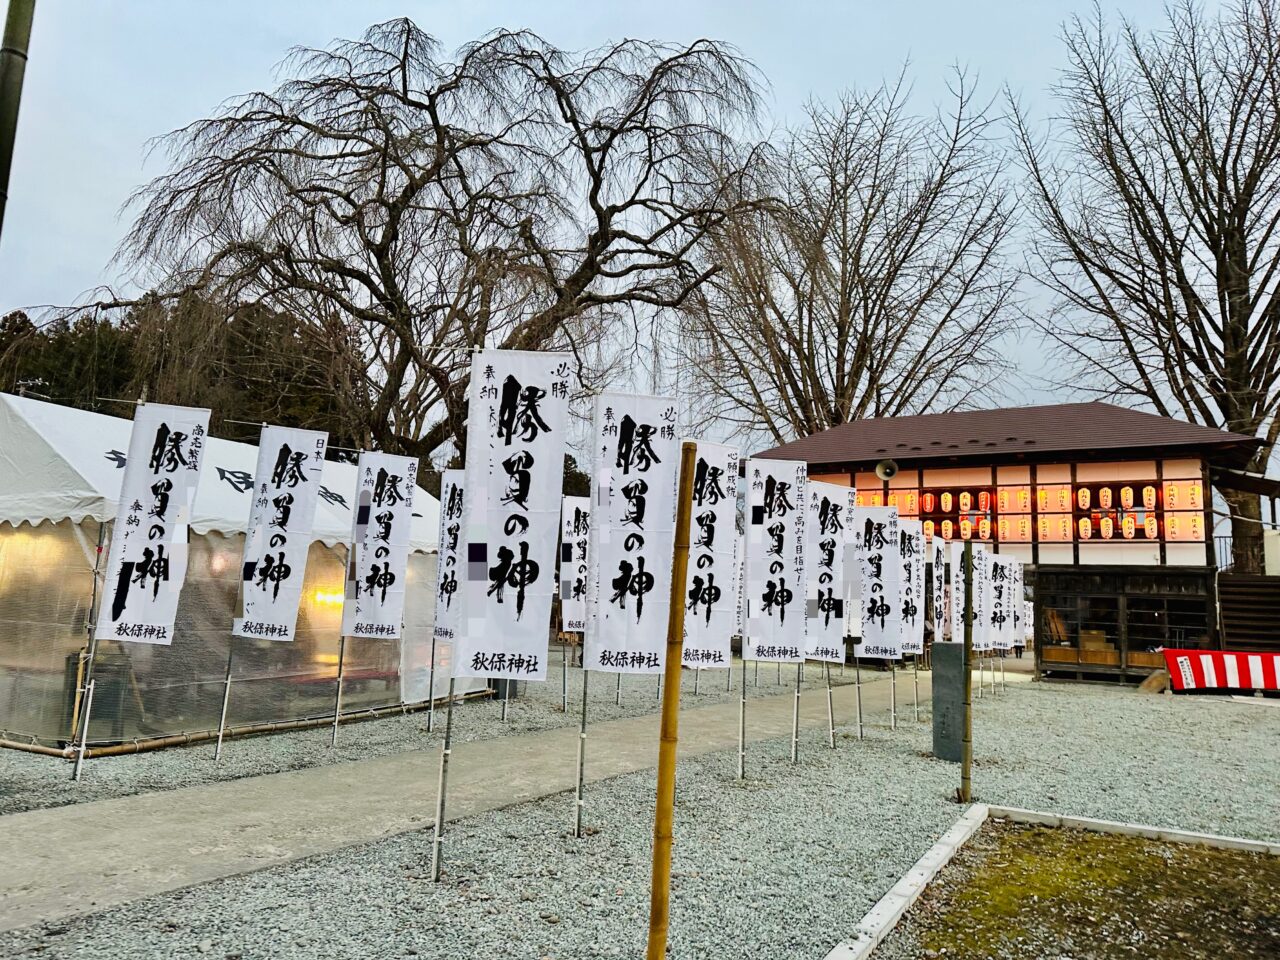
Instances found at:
x=84 y=731
x=795 y=713
x=857 y=691
x=506 y=694
x=658 y=696
x=1002 y=686
x=618 y=699
x=893 y=695
x=915 y=683
x=756 y=682
x=697 y=676
x=728 y=682
x=979 y=672
x=779 y=673
x=13 y=64
x=742 y=726
x=664 y=813
x=564 y=675
x=831 y=710
x=337 y=700
x=966 y=749
x=582 y=759
x=226 y=699
x=431 y=686
x=446 y=749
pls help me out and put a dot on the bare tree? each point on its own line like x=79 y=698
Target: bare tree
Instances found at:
x=1158 y=199
x=515 y=196
x=871 y=282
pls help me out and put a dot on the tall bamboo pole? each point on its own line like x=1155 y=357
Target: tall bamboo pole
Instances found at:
x=13 y=66
x=664 y=813
x=966 y=749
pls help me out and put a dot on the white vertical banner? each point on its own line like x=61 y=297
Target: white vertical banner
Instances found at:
x=713 y=581
x=575 y=532
x=957 y=592
x=518 y=413
x=378 y=562
x=453 y=500
x=147 y=563
x=981 y=599
x=911 y=553
x=637 y=458
x=775 y=584
x=1019 y=604
x=828 y=528
x=941 y=624
x=1002 y=602
x=879 y=574
x=286 y=490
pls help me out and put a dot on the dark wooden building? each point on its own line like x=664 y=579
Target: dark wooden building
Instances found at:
x=1109 y=508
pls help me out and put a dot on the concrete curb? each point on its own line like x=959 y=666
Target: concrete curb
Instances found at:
x=884 y=916
x=1019 y=815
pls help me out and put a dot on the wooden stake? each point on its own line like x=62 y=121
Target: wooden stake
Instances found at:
x=664 y=812
x=966 y=749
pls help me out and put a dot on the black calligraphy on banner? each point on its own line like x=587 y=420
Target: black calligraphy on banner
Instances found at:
x=378 y=565
x=877 y=547
x=776 y=585
x=575 y=530
x=712 y=582
x=632 y=532
x=827 y=532
x=147 y=562
x=912 y=560
x=286 y=491
x=518 y=409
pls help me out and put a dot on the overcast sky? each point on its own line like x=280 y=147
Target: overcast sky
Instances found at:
x=107 y=75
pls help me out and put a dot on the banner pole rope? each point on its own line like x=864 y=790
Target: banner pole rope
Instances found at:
x=795 y=713
x=431 y=686
x=857 y=690
x=831 y=710
x=582 y=758
x=915 y=683
x=446 y=748
x=337 y=700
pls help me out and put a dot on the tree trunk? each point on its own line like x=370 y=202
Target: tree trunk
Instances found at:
x=1246 y=530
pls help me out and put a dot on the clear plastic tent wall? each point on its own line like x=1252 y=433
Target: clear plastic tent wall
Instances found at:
x=144 y=692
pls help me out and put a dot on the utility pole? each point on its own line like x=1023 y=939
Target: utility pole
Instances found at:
x=13 y=65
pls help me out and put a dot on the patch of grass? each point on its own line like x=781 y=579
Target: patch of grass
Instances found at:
x=1022 y=891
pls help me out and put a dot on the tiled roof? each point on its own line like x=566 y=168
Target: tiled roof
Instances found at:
x=1099 y=429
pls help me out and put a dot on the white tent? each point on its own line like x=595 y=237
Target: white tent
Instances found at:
x=60 y=463
x=60 y=478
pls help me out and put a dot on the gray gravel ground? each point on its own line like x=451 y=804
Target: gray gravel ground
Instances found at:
x=31 y=781
x=781 y=866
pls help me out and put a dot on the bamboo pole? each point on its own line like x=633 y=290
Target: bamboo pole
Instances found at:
x=664 y=814
x=431 y=686
x=966 y=749
x=13 y=65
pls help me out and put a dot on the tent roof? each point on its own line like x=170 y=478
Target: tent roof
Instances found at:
x=60 y=463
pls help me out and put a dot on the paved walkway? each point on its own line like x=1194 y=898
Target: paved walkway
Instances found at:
x=88 y=857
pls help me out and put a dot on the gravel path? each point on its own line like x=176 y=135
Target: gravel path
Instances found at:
x=781 y=866
x=31 y=781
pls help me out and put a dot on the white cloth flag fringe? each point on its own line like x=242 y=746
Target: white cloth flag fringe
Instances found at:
x=714 y=579
x=575 y=532
x=776 y=584
x=911 y=551
x=632 y=541
x=828 y=529
x=518 y=414
x=377 y=567
x=147 y=563
x=286 y=490
x=879 y=568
